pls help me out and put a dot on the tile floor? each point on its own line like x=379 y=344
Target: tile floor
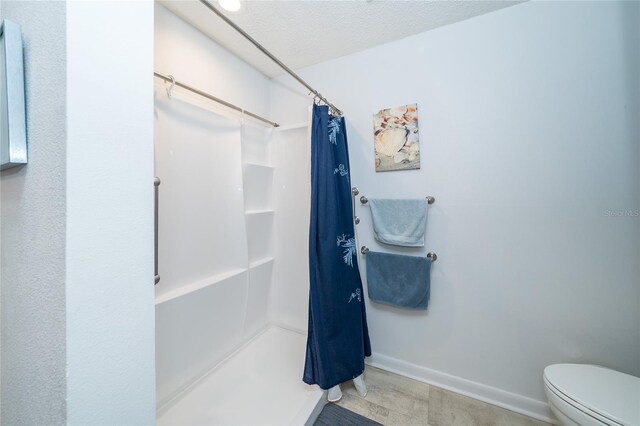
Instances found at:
x=397 y=400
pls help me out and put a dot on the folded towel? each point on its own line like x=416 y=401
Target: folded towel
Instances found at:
x=399 y=222
x=398 y=280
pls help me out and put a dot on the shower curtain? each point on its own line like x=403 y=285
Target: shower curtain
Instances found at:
x=338 y=340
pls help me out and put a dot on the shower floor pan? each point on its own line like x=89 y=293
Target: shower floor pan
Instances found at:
x=261 y=384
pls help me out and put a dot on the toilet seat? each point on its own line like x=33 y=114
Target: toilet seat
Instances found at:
x=606 y=396
x=570 y=412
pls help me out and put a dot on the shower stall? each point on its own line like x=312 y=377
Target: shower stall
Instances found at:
x=233 y=217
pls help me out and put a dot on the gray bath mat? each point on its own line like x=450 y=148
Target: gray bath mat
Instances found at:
x=334 y=415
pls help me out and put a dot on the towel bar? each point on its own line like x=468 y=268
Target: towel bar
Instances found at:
x=430 y=255
x=365 y=200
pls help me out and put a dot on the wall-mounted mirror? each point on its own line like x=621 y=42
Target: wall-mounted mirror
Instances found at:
x=13 y=132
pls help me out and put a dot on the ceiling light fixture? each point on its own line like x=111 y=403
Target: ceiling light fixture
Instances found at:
x=230 y=5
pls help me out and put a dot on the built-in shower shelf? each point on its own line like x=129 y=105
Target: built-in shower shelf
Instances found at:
x=261 y=262
x=260 y=211
x=259 y=166
x=198 y=285
x=258 y=184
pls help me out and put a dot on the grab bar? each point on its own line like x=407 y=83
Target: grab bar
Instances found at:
x=354 y=192
x=156 y=185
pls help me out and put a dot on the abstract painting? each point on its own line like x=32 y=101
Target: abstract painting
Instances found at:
x=396 y=141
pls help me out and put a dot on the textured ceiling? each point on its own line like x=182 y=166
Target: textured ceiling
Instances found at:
x=302 y=33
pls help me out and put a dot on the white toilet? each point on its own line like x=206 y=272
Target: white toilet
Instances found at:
x=585 y=395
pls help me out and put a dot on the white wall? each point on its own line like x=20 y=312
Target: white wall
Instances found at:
x=32 y=218
x=109 y=247
x=195 y=59
x=530 y=140
x=77 y=287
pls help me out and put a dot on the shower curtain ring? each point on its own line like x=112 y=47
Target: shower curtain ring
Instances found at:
x=170 y=88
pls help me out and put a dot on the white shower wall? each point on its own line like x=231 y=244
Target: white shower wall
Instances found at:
x=198 y=159
x=203 y=286
x=216 y=207
x=292 y=191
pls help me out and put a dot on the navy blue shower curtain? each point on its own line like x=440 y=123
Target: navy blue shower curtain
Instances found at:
x=338 y=340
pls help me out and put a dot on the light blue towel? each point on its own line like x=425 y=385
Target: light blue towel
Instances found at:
x=399 y=222
x=398 y=280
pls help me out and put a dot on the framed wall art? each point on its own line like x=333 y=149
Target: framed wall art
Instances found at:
x=396 y=138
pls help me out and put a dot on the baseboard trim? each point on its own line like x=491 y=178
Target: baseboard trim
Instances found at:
x=508 y=400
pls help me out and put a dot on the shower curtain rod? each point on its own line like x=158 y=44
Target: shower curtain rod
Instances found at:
x=270 y=55
x=213 y=98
